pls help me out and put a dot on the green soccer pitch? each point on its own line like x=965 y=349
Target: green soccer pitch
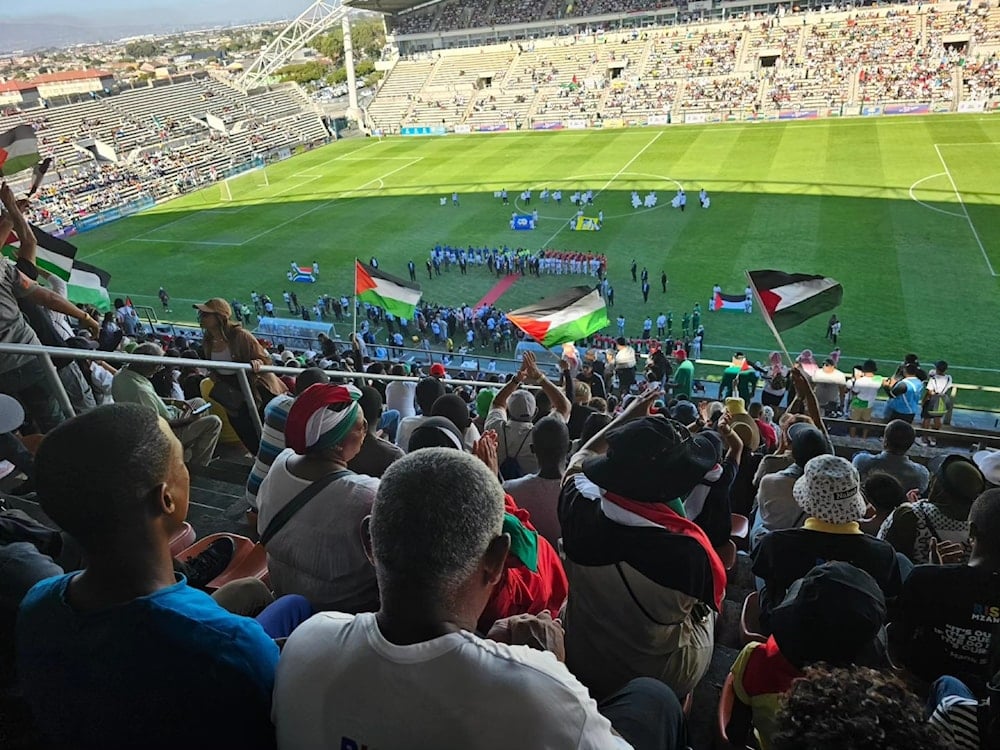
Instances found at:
x=903 y=211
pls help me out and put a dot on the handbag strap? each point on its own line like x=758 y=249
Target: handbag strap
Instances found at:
x=631 y=593
x=296 y=504
x=925 y=517
x=506 y=443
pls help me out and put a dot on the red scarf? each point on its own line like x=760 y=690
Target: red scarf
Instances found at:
x=661 y=515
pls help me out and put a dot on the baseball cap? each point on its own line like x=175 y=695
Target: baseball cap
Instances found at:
x=437 y=370
x=521 y=406
x=216 y=305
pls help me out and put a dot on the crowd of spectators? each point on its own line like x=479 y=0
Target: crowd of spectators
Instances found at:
x=901 y=54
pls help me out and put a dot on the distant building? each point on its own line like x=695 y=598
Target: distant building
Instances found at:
x=69 y=82
x=28 y=94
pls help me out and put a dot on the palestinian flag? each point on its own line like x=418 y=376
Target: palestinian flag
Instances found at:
x=382 y=290
x=789 y=299
x=729 y=302
x=568 y=316
x=88 y=285
x=18 y=150
x=53 y=254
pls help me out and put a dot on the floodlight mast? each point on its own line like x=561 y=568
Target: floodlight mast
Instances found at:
x=317 y=18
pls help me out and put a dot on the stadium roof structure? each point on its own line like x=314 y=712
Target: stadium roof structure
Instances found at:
x=389 y=6
x=319 y=17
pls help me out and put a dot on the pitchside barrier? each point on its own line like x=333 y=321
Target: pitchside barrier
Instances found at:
x=885 y=109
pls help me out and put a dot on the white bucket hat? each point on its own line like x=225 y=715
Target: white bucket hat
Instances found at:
x=988 y=463
x=830 y=490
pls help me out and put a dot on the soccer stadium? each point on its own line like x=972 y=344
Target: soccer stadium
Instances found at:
x=652 y=335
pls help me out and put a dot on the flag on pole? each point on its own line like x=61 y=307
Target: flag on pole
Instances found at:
x=53 y=254
x=38 y=174
x=570 y=315
x=88 y=285
x=788 y=299
x=18 y=149
x=382 y=290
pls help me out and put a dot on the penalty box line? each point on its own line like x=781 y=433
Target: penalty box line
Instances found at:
x=380 y=179
x=965 y=210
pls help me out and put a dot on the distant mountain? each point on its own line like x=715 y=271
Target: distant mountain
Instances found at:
x=37 y=31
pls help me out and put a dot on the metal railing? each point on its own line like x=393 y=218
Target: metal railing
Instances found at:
x=241 y=370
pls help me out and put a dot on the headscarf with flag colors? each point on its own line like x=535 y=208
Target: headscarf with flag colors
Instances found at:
x=313 y=425
x=570 y=315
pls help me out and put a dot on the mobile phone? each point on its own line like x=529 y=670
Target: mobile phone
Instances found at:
x=201 y=410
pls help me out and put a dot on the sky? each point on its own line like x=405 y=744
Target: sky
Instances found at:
x=57 y=23
x=158 y=11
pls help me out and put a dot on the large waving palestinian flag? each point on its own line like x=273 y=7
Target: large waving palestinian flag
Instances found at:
x=568 y=316
x=88 y=285
x=53 y=254
x=85 y=284
x=391 y=294
x=789 y=299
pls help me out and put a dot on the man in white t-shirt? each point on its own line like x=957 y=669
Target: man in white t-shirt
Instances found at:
x=512 y=413
x=864 y=388
x=414 y=674
x=830 y=385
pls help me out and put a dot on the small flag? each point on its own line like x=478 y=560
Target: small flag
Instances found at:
x=88 y=285
x=53 y=254
x=391 y=294
x=38 y=174
x=18 y=149
x=570 y=315
x=789 y=299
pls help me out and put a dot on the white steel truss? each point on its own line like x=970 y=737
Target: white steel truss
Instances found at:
x=317 y=18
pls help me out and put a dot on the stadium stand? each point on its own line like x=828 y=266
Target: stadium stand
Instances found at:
x=162 y=141
x=934 y=56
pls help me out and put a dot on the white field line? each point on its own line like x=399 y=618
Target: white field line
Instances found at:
x=965 y=210
x=187 y=216
x=927 y=205
x=185 y=242
x=608 y=184
x=380 y=179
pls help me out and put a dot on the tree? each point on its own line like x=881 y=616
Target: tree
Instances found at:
x=143 y=48
x=303 y=72
x=368 y=36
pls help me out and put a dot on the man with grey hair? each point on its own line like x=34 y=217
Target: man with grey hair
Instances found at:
x=197 y=430
x=415 y=673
